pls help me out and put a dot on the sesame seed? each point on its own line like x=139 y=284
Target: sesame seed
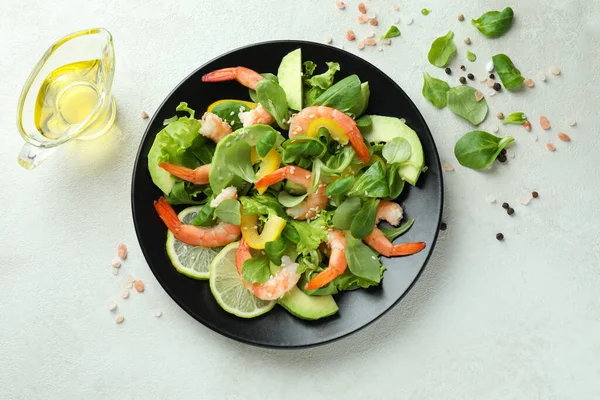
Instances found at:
x=232 y=113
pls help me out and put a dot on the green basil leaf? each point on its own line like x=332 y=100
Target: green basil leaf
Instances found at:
x=291 y=234
x=494 y=23
x=266 y=143
x=442 y=50
x=229 y=211
x=371 y=184
x=395 y=181
x=303 y=145
x=365 y=121
x=471 y=56
x=341 y=96
x=462 y=102
x=273 y=99
x=256 y=270
x=205 y=216
x=345 y=213
x=435 y=90
x=267 y=75
x=509 y=74
x=337 y=163
x=397 y=150
x=364 y=222
x=275 y=250
x=225 y=110
x=478 y=149
x=288 y=201
x=363 y=261
x=239 y=163
x=392 y=234
x=392 y=32
x=516 y=118
x=340 y=187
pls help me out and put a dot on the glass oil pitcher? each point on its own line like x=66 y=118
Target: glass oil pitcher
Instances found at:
x=67 y=95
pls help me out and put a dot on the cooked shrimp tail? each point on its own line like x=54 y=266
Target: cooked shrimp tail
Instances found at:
x=382 y=245
x=199 y=176
x=167 y=214
x=243 y=75
x=337 y=261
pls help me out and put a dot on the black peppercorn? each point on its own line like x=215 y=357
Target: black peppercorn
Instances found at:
x=448 y=70
x=471 y=76
x=503 y=151
x=535 y=194
x=443 y=226
x=502 y=158
x=505 y=205
x=463 y=68
x=510 y=211
x=499 y=236
x=497 y=87
x=462 y=80
x=492 y=76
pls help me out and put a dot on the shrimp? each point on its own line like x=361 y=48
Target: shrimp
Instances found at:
x=302 y=120
x=227 y=193
x=257 y=116
x=243 y=75
x=310 y=207
x=199 y=176
x=213 y=127
x=392 y=213
x=337 y=261
x=214 y=236
x=276 y=286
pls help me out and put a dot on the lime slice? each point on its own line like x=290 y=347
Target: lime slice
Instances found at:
x=229 y=290
x=192 y=261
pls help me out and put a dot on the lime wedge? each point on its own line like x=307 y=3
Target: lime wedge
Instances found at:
x=228 y=289
x=192 y=261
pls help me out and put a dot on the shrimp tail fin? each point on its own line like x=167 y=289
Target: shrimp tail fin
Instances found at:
x=167 y=214
x=272 y=178
x=360 y=147
x=241 y=255
x=220 y=75
x=177 y=170
x=322 y=279
x=407 y=249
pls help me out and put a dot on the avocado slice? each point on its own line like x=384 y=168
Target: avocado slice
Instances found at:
x=289 y=75
x=363 y=101
x=384 y=129
x=308 y=307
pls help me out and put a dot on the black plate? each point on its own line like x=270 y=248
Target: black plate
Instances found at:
x=358 y=308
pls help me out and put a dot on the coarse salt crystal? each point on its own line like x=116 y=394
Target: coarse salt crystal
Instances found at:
x=529 y=83
x=510 y=153
x=122 y=251
x=397 y=21
x=490 y=82
x=448 y=167
x=119 y=319
x=158 y=313
x=495 y=128
x=550 y=146
x=525 y=199
x=542 y=76
x=328 y=40
x=396 y=7
x=125 y=294
x=112 y=306
x=115 y=271
x=478 y=95
x=116 y=263
x=571 y=122
x=555 y=70
x=409 y=21
x=491 y=92
x=489 y=66
x=533 y=137
x=371 y=34
x=362 y=19
x=340 y=4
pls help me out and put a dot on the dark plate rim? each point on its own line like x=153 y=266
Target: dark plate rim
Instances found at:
x=436 y=163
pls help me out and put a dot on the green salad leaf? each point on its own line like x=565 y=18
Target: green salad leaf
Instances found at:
x=364 y=222
x=340 y=187
x=288 y=201
x=479 y=149
x=396 y=151
x=509 y=74
x=275 y=250
x=494 y=23
x=364 y=122
x=395 y=181
x=392 y=234
x=225 y=110
x=240 y=161
x=200 y=152
x=341 y=96
x=185 y=193
x=346 y=213
x=311 y=234
x=442 y=50
x=392 y=32
x=363 y=262
x=324 y=80
x=269 y=76
x=170 y=145
x=273 y=99
x=205 y=216
x=266 y=142
x=229 y=211
x=291 y=234
x=262 y=204
x=256 y=270
x=462 y=102
x=371 y=184
x=435 y=90
x=517 y=118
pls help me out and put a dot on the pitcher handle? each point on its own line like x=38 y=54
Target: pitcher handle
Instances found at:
x=32 y=156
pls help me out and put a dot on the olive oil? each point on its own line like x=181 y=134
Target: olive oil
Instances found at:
x=67 y=97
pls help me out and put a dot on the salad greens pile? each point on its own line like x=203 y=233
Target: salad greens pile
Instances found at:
x=354 y=189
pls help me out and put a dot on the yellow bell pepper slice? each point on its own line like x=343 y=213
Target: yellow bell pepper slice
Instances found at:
x=271 y=230
x=351 y=170
x=248 y=104
x=375 y=158
x=268 y=164
x=254 y=157
x=335 y=130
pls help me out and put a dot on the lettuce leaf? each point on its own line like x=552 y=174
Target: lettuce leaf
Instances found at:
x=311 y=234
x=324 y=80
x=170 y=146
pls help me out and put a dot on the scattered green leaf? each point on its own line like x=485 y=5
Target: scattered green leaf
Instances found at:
x=479 y=149
x=471 y=56
x=494 y=23
x=442 y=50
x=435 y=90
x=392 y=32
x=462 y=102
x=509 y=74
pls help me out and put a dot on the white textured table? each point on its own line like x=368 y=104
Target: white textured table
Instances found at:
x=487 y=320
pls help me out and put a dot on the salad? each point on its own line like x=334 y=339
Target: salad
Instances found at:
x=276 y=220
